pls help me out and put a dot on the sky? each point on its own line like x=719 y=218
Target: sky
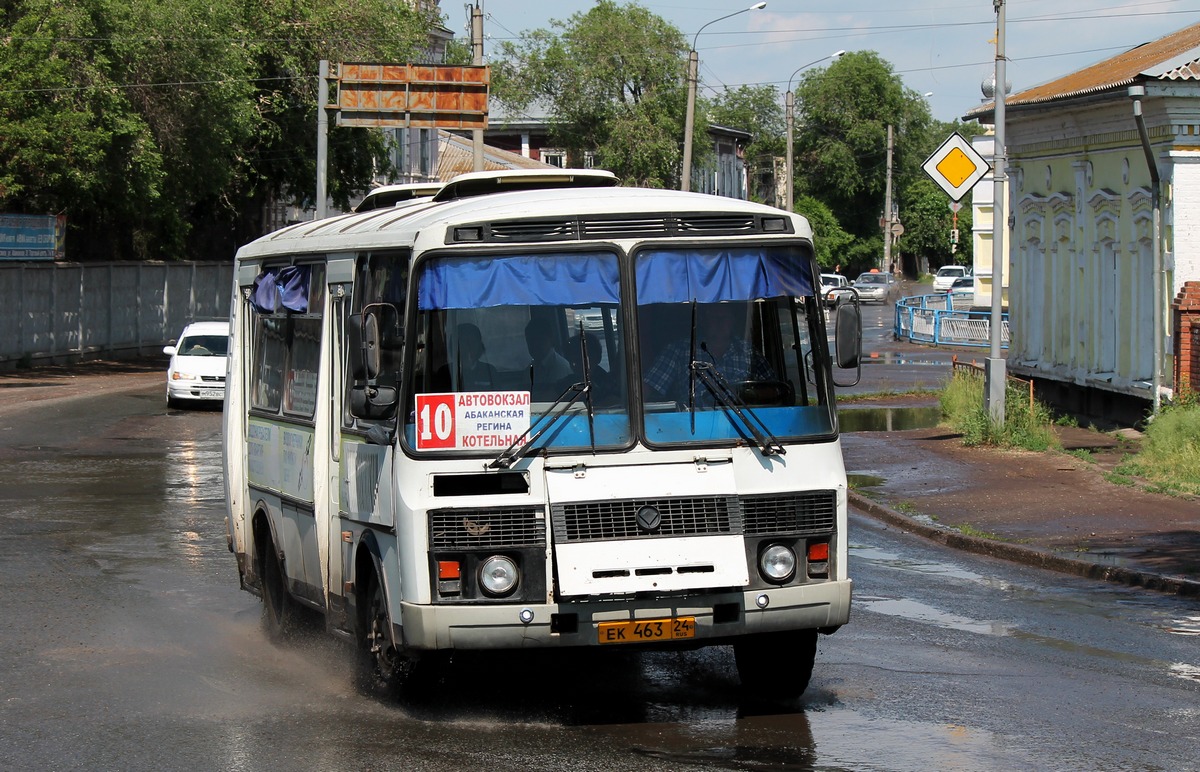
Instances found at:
x=944 y=48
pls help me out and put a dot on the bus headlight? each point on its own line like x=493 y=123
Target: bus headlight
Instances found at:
x=777 y=563
x=498 y=575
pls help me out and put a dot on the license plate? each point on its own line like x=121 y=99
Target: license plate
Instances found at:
x=212 y=394
x=645 y=630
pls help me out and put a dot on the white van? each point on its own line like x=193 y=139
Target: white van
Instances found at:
x=199 y=360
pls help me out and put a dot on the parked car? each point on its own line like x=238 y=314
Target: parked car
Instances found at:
x=199 y=360
x=946 y=276
x=830 y=284
x=876 y=287
x=963 y=284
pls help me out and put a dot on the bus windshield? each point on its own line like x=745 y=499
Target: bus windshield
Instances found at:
x=726 y=339
x=500 y=339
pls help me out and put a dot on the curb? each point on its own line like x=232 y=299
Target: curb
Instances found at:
x=1027 y=555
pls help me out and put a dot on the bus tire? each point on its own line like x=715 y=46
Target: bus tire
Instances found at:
x=380 y=669
x=279 y=611
x=776 y=665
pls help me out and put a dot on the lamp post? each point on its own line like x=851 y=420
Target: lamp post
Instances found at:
x=789 y=104
x=692 y=74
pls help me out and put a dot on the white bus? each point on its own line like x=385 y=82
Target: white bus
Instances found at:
x=542 y=411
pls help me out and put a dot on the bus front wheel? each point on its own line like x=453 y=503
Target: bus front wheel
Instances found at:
x=776 y=664
x=381 y=669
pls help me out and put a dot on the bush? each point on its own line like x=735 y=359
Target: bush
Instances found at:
x=1170 y=453
x=1025 y=426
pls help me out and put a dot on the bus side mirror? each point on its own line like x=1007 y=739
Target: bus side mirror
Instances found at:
x=847 y=338
x=381 y=332
x=847 y=335
x=376 y=341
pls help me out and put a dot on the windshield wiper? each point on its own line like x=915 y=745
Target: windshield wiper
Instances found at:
x=708 y=374
x=514 y=452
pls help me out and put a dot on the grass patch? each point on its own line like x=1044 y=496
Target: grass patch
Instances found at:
x=907 y=507
x=873 y=395
x=966 y=529
x=1025 y=426
x=1169 y=459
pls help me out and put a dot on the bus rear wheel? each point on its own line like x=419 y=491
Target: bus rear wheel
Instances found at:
x=279 y=614
x=776 y=665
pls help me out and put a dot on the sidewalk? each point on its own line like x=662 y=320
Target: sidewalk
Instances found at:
x=1050 y=510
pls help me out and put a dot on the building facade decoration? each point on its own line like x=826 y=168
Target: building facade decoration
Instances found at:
x=1081 y=287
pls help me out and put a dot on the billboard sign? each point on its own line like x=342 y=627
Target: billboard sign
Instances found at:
x=32 y=236
x=445 y=96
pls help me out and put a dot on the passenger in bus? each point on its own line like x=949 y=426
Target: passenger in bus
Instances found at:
x=718 y=342
x=470 y=372
x=547 y=368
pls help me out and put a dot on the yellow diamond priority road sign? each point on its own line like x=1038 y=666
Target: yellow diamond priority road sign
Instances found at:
x=956 y=166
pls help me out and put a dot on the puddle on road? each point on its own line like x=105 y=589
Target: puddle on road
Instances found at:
x=1185 y=671
x=892 y=358
x=864 y=480
x=1186 y=626
x=920 y=612
x=888 y=419
x=878 y=556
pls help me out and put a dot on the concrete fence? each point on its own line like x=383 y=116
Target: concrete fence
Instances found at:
x=68 y=312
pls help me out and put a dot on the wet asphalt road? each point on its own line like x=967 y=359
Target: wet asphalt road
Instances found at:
x=126 y=644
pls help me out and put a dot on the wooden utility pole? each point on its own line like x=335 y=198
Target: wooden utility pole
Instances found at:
x=477 y=59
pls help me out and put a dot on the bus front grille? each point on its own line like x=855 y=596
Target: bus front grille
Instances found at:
x=492 y=528
x=793 y=513
x=608 y=520
x=810 y=512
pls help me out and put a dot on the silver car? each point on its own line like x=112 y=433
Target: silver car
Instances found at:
x=876 y=287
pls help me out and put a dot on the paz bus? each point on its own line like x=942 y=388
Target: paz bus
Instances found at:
x=542 y=410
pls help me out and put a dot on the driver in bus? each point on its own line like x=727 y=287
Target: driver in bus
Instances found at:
x=719 y=342
x=547 y=368
x=473 y=374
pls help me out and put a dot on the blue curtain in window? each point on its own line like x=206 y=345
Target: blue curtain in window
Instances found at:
x=522 y=280
x=712 y=276
x=277 y=288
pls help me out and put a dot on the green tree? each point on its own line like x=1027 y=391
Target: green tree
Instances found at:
x=160 y=129
x=843 y=113
x=613 y=80
x=832 y=243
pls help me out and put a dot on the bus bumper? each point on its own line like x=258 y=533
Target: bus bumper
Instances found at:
x=719 y=618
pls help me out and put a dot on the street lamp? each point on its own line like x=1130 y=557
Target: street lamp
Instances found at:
x=692 y=75
x=789 y=102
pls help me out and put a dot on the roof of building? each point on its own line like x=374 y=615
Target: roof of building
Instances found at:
x=1174 y=57
x=456 y=156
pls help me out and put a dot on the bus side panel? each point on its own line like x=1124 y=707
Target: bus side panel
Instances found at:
x=234 y=446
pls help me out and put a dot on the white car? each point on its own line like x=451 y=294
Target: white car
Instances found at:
x=830 y=282
x=198 y=364
x=943 y=280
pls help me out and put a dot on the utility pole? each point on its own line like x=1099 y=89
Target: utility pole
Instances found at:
x=994 y=367
x=477 y=59
x=889 y=219
x=322 y=138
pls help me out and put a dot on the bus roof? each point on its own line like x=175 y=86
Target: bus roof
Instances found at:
x=548 y=216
